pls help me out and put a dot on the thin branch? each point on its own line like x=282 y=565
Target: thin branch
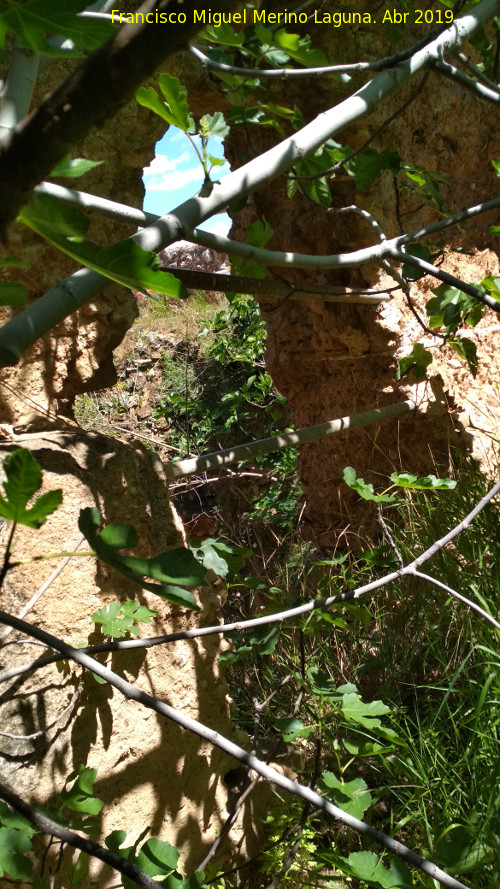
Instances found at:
x=279 y=617
x=480 y=295
x=202 y=731
x=477 y=71
x=461 y=216
x=61 y=715
x=469 y=602
x=52 y=828
x=239 y=453
x=44 y=587
x=284 y=73
x=274 y=289
x=483 y=92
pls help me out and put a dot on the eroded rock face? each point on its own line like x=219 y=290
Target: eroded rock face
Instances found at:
x=331 y=360
x=150 y=771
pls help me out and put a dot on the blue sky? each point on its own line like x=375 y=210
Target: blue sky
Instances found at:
x=176 y=174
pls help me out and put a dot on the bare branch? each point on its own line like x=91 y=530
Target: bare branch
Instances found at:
x=430 y=269
x=95 y=91
x=44 y=587
x=483 y=92
x=52 y=828
x=469 y=602
x=279 y=617
x=248 y=759
x=195 y=465
x=64 y=298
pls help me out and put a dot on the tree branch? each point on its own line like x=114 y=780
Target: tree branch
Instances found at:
x=94 y=92
x=52 y=828
x=483 y=92
x=241 y=626
x=195 y=465
x=67 y=296
x=129 y=691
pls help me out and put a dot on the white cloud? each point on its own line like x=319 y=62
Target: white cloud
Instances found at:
x=163 y=164
x=173 y=181
x=220 y=228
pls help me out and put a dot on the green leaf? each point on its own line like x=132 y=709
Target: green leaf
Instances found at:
x=225 y=35
x=24 y=478
x=124 y=262
x=299 y=49
x=71 y=168
x=291 y=729
x=13 y=294
x=213 y=125
x=351 y=796
x=417 y=361
x=368 y=866
x=80 y=797
x=430 y=482
x=412 y=273
x=157 y=857
x=172 y=570
x=32 y=20
x=173 y=107
x=492 y=286
x=15 y=821
x=219 y=556
x=369 y=164
x=363 y=489
x=13 y=845
x=321 y=683
x=467 y=350
x=11 y=260
x=113 y=622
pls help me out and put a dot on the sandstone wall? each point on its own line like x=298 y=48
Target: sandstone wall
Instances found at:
x=331 y=360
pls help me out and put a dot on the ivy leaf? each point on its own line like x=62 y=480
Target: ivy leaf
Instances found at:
x=24 y=478
x=13 y=294
x=124 y=262
x=173 y=570
x=363 y=489
x=115 y=622
x=351 y=796
x=418 y=361
x=173 y=107
x=74 y=167
x=467 y=350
